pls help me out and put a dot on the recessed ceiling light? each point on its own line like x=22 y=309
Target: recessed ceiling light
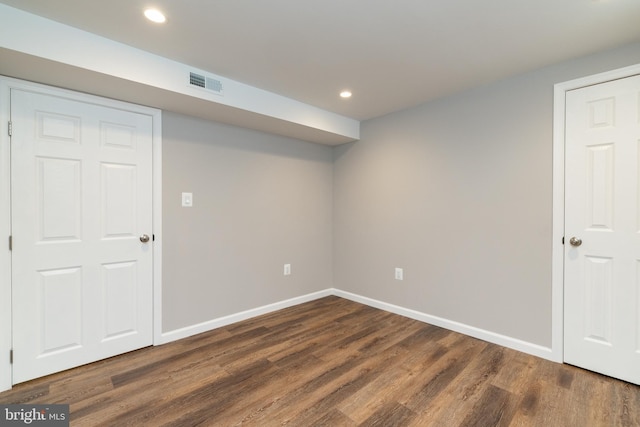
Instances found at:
x=155 y=15
x=345 y=94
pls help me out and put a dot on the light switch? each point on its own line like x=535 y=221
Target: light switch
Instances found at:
x=187 y=200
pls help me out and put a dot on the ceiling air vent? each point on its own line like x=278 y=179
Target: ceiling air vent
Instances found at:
x=214 y=85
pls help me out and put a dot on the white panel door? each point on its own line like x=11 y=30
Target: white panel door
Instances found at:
x=81 y=184
x=602 y=209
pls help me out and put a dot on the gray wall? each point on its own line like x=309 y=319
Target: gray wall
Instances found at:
x=260 y=201
x=455 y=191
x=458 y=193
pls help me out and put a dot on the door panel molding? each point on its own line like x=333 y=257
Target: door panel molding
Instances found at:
x=6 y=84
x=557 y=264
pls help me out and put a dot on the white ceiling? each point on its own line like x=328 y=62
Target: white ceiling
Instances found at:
x=392 y=54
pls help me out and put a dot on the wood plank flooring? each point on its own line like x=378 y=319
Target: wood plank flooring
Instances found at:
x=333 y=362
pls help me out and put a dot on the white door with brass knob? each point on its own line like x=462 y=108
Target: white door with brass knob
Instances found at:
x=602 y=229
x=81 y=198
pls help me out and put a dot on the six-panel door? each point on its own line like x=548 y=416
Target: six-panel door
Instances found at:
x=81 y=198
x=602 y=210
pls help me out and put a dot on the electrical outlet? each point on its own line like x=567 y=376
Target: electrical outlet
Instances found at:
x=399 y=274
x=287 y=269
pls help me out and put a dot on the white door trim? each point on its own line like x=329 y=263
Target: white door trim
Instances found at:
x=5 y=231
x=6 y=84
x=557 y=264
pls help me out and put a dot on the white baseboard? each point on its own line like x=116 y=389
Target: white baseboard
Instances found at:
x=492 y=337
x=209 y=325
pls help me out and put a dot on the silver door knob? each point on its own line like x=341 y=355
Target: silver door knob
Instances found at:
x=144 y=238
x=575 y=241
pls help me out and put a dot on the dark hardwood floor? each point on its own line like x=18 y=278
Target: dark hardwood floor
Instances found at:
x=333 y=362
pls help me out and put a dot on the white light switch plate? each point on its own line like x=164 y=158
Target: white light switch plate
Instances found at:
x=187 y=200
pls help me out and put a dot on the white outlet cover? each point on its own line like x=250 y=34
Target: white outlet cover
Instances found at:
x=287 y=269
x=399 y=274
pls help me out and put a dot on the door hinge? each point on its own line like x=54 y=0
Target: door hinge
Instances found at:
x=11 y=356
x=10 y=128
x=10 y=243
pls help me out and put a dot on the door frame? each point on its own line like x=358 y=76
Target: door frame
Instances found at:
x=6 y=84
x=557 y=250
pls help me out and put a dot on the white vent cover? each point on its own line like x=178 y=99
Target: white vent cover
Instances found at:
x=204 y=82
